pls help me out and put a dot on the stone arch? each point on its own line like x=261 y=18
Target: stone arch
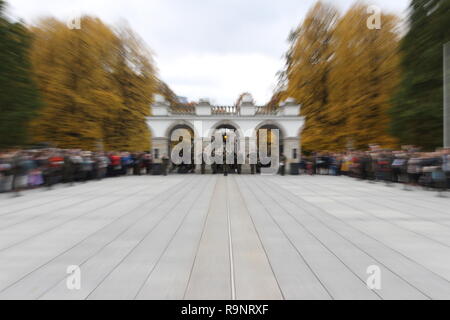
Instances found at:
x=283 y=133
x=239 y=143
x=179 y=123
x=271 y=124
x=231 y=123
x=183 y=167
x=152 y=134
x=300 y=130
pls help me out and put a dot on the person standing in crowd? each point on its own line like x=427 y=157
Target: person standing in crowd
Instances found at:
x=165 y=164
x=252 y=160
x=94 y=172
x=340 y=163
x=69 y=168
x=365 y=163
x=41 y=162
x=446 y=166
x=310 y=165
x=137 y=164
x=34 y=173
x=332 y=165
x=53 y=169
x=225 y=166
x=399 y=168
x=115 y=167
x=321 y=165
x=203 y=167
x=302 y=165
x=148 y=163
x=5 y=172
x=87 y=166
x=414 y=170
x=345 y=164
x=283 y=160
x=19 y=173
x=214 y=165
x=238 y=164
x=102 y=163
x=127 y=163
x=77 y=162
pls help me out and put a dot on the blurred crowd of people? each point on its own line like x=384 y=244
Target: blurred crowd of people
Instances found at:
x=431 y=170
x=26 y=169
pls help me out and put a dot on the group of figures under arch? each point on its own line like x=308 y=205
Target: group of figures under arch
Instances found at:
x=268 y=137
x=252 y=134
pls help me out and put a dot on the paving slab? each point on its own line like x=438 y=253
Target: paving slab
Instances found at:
x=215 y=237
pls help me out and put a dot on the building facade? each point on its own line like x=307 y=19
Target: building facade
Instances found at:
x=204 y=119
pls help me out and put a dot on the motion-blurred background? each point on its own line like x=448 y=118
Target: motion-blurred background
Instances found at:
x=91 y=87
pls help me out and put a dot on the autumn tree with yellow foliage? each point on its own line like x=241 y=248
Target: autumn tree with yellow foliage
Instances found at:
x=308 y=68
x=343 y=74
x=134 y=82
x=363 y=77
x=96 y=84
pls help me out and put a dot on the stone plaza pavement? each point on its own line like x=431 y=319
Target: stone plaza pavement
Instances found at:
x=235 y=237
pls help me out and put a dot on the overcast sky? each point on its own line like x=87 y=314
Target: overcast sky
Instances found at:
x=204 y=48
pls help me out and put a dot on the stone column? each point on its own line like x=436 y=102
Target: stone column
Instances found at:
x=160 y=147
x=247 y=106
x=447 y=95
x=246 y=169
x=200 y=142
x=160 y=144
x=292 y=152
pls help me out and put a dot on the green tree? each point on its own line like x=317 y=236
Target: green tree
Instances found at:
x=19 y=98
x=417 y=112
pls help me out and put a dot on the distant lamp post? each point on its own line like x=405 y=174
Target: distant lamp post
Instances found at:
x=447 y=95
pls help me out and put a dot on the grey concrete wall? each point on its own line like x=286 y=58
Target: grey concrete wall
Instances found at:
x=447 y=95
x=162 y=145
x=291 y=144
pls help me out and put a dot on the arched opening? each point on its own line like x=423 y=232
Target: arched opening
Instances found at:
x=227 y=131
x=184 y=167
x=269 y=140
